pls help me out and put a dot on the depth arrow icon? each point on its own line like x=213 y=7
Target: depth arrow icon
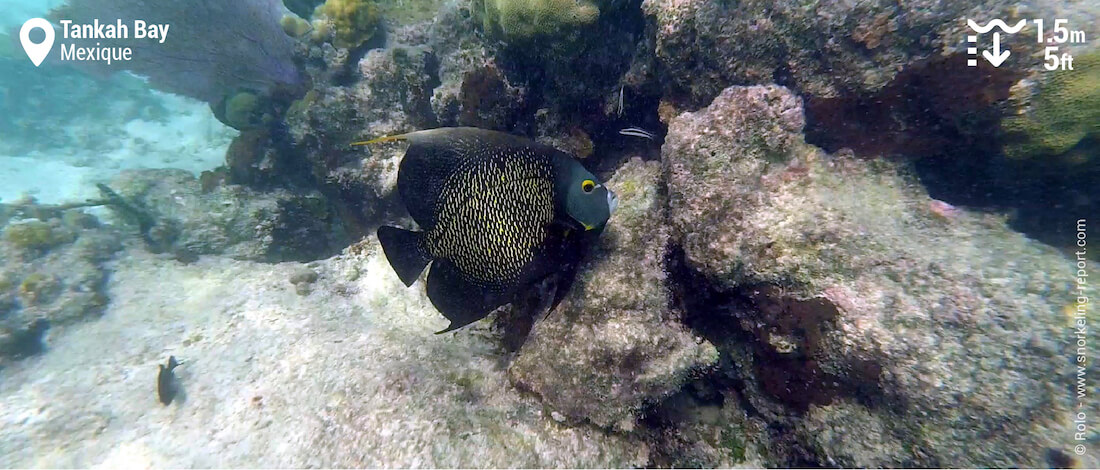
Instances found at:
x=998 y=56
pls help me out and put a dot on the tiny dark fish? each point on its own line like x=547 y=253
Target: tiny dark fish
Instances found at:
x=166 y=381
x=498 y=213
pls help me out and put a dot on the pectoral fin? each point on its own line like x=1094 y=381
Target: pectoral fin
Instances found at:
x=403 y=251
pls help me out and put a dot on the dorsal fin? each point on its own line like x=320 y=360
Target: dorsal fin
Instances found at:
x=378 y=140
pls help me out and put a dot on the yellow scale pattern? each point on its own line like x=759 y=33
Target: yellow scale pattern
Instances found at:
x=492 y=215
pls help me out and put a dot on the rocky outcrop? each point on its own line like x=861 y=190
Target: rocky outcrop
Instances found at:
x=823 y=49
x=52 y=274
x=391 y=97
x=615 y=346
x=173 y=214
x=880 y=323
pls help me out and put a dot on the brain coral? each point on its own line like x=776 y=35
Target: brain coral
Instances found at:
x=1065 y=111
x=528 y=19
x=353 y=22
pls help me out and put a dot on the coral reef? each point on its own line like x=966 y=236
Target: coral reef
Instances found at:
x=575 y=141
x=1063 y=112
x=701 y=427
x=473 y=89
x=242 y=110
x=824 y=49
x=486 y=99
x=890 y=80
x=764 y=123
x=52 y=274
x=525 y=20
x=755 y=300
x=922 y=112
x=349 y=22
x=941 y=114
x=493 y=84
x=876 y=329
x=391 y=97
x=294 y=26
x=259 y=158
x=401 y=13
x=614 y=346
x=34 y=236
x=229 y=220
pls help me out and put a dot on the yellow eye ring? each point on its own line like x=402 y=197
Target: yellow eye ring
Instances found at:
x=588 y=185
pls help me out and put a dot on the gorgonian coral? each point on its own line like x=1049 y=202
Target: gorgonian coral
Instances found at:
x=213 y=47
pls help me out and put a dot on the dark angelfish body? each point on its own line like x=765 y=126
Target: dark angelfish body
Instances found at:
x=498 y=213
x=166 y=381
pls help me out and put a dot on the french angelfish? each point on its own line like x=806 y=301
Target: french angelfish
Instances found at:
x=497 y=213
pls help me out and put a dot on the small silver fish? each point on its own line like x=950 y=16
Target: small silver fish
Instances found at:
x=621 y=89
x=638 y=132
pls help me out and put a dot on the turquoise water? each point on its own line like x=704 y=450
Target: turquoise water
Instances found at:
x=851 y=234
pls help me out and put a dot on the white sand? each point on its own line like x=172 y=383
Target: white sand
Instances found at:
x=191 y=139
x=350 y=375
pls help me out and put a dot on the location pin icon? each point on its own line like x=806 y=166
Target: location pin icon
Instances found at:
x=37 y=52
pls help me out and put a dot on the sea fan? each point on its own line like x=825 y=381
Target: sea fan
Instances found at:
x=213 y=47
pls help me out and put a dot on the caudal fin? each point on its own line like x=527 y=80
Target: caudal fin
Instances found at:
x=402 y=248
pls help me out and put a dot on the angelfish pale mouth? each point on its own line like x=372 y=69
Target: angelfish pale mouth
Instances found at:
x=612 y=201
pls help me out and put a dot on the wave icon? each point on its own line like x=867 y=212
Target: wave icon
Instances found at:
x=998 y=24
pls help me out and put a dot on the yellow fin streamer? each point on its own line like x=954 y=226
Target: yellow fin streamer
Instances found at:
x=388 y=138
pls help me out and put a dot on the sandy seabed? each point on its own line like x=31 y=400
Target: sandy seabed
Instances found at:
x=191 y=138
x=347 y=375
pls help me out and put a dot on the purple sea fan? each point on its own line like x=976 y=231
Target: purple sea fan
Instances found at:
x=212 y=48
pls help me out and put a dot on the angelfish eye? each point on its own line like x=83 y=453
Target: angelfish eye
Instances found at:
x=588 y=185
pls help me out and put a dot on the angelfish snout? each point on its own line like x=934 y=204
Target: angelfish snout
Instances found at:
x=612 y=201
